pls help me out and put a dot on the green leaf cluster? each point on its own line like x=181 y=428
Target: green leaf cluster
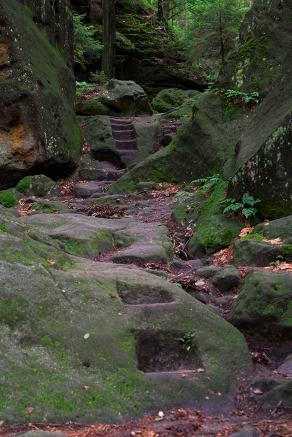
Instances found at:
x=246 y=207
x=86 y=44
x=207 y=183
x=187 y=340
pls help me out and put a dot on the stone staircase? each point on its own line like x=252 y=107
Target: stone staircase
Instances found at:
x=124 y=134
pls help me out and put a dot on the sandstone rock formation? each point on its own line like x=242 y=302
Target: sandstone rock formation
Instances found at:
x=38 y=129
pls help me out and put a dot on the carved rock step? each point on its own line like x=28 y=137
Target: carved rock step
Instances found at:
x=128 y=157
x=126 y=144
x=118 y=126
x=124 y=134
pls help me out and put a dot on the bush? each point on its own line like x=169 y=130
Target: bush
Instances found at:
x=86 y=45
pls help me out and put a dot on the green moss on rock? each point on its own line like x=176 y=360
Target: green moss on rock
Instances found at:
x=214 y=230
x=8 y=198
x=265 y=303
x=39 y=185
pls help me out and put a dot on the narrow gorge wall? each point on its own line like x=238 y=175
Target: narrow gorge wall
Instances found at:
x=38 y=128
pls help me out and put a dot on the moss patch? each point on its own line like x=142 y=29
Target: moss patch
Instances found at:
x=214 y=230
x=8 y=198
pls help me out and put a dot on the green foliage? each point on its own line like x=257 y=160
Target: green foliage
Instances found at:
x=254 y=236
x=99 y=77
x=83 y=88
x=207 y=183
x=8 y=199
x=24 y=184
x=3 y=228
x=246 y=207
x=209 y=28
x=86 y=45
x=243 y=97
x=236 y=96
x=187 y=341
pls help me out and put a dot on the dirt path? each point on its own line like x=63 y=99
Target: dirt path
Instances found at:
x=154 y=206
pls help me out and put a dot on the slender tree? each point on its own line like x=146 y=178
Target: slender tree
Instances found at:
x=109 y=37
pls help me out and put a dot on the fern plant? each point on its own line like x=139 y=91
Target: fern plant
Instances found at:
x=246 y=207
x=240 y=96
x=207 y=183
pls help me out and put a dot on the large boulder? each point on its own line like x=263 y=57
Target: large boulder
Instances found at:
x=265 y=303
x=38 y=129
x=97 y=341
x=126 y=97
x=89 y=236
x=171 y=98
x=248 y=252
x=262 y=64
x=269 y=242
x=276 y=228
x=264 y=45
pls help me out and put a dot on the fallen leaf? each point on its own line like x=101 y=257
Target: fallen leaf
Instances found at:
x=257 y=391
x=274 y=241
x=245 y=231
x=51 y=262
x=30 y=410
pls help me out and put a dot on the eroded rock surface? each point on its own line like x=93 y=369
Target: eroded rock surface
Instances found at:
x=84 y=340
x=38 y=129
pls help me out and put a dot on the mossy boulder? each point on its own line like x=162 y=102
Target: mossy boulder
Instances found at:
x=262 y=54
x=257 y=253
x=126 y=97
x=268 y=243
x=265 y=303
x=171 y=98
x=90 y=236
x=213 y=230
x=38 y=128
x=262 y=165
x=262 y=64
x=39 y=185
x=281 y=228
x=226 y=279
x=98 y=132
x=91 y=106
x=90 y=341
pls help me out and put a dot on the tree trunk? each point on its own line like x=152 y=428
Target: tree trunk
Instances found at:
x=221 y=35
x=109 y=37
x=160 y=11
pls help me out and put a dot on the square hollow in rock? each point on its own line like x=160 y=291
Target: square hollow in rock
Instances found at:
x=144 y=295
x=166 y=351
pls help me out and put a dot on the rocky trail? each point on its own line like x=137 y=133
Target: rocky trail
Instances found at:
x=139 y=216
x=145 y=220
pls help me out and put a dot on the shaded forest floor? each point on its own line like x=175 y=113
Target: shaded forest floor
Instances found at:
x=154 y=206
